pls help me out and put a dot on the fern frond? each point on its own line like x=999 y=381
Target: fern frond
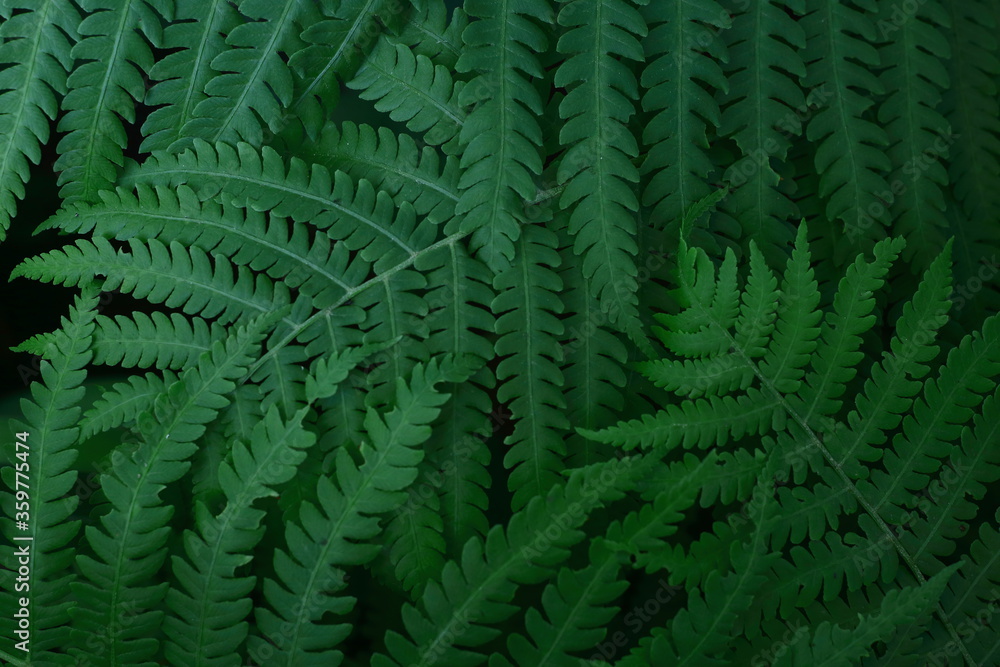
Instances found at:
x=677 y=166
x=850 y=148
x=318 y=268
x=111 y=58
x=834 y=646
x=760 y=112
x=915 y=54
x=457 y=610
x=206 y=626
x=576 y=609
x=888 y=393
x=123 y=402
x=117 y=606
x=339 y=531
x=501 y=136
x=457 y=458
x=838 y=353
x=962 y=481
x=972 y=110
x=40 y=460
x=528 y=328
x=335 y=48
x=195 y=37
x=596 y=169
x=699 y=633
x=176 y=276
x=252 y=80
x=808 y=437
x=594 y=357
x=430 y=32
x=392 y=163
x=154 y=340
x=356 y=214
x=414 y=91
x=36 y=44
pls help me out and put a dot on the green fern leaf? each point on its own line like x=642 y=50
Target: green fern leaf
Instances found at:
x=153 y=341
x=175 y=276
x=340 y=530
x=206 y=626
x=105 y=84
x=457 y=610
x=833 y=646
x=47 y=436
x=196 y=36
x=760 y=110
x=252 y=77
x=335 y=47
x=117 y=604
x=528 y=328
x=596 y=170
x=37 y=44
x=392 y=163
x=123 y=402
x=431 y=32
x=850 y=157
x=678 y=67
x=916 y=72
x=501 y=136
x=414 y=91
x=576 y=611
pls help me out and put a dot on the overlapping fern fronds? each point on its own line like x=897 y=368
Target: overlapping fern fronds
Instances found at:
x=520 y=332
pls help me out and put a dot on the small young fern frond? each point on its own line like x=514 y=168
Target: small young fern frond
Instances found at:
x=800 y=390
x=45 y=468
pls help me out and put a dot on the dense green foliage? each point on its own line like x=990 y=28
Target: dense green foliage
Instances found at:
x=535 y=333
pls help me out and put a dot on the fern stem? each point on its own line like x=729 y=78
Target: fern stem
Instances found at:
x=296 y=329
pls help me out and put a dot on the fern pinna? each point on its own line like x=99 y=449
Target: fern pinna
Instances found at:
x=536 y=333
